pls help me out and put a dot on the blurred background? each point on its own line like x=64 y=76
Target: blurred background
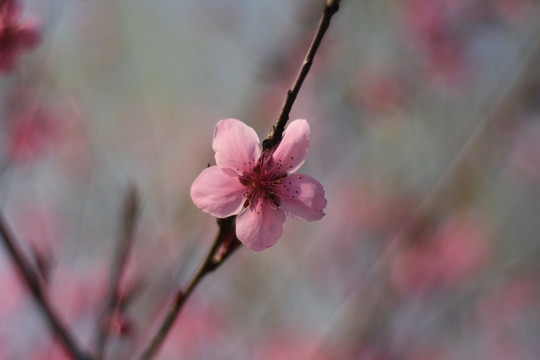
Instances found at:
x=425 y=132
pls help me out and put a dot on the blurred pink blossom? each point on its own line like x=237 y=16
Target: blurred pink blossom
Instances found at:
x=15 y=36
x=372 y=352
x=429 y=353
x=525 y=154
x=361 y=218
x=292 y=345
x=501 y=317
x=48 y=351
x=366 y=208
x=379 y=91
x=75 y=296
x=430 y=24
x=508 y=302
x=120 y=323
x=446 y=257
x=199 y=335
x=29 y=133
x=513 y=11
x=258 y=185
x=38 y=224
x=13 y=292
x=5 y=350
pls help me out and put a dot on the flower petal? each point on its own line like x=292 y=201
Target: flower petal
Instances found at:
x=292 y=150
x=259 y=227
x=302 y=197
x=236 y=145
x=218 y=192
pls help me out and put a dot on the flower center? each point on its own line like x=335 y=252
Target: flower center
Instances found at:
x=260 y=184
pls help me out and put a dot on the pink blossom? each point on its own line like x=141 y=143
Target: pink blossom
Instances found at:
x=199 y=335
x=430 y=25
x=30 y=132
x=257 y=185
x=13 y=293
x=119 y=323
x=525 y=153
x=507 y=303
x=49 y=350
x=513 y=11
x=284 y=345
x=379 y=91
x=74 y=295
x=447 y=256
x=15 y=36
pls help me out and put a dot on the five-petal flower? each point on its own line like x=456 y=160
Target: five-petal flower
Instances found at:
x=258 y=186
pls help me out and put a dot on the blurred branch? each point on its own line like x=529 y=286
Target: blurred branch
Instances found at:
x=476 y=146
x=112 y=300
x=224 y=245
x=275 y=136
x=479 y=144
x=31 y=279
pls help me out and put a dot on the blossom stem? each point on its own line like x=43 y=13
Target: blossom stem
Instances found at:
x=30 y=277
x=275 y=136
x=226 y=241
x=223 y=246
x=112 y=301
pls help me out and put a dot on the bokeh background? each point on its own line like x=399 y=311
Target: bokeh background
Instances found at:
x=425 y=132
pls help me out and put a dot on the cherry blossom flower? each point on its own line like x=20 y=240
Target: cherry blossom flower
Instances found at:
x=258 y=186
x=15 y=36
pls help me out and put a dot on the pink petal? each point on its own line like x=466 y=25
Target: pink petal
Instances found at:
x=302 y=197
x=218 y=192
x=292 y=150
x=260 y=226
x=236 y=145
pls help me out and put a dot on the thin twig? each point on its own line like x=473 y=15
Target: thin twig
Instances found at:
x=112 y=301
x=226 y=242
x=69 y=343
x=275 y=136
x=226 y=236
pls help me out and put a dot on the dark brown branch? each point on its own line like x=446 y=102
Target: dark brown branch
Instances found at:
x=224 y=244
x=275 y=136
x=112 y=300
x=30 y=277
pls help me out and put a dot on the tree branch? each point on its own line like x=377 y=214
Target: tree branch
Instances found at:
x=226 y=242
x=223 y=246
x=69 y=343
x=112 y=301
x=275 y=136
